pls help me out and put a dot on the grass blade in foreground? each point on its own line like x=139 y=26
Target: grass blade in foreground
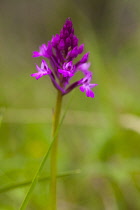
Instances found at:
x=42 y=179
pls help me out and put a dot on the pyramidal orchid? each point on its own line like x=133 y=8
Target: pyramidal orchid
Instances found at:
x=60 y=52
x=59 y=64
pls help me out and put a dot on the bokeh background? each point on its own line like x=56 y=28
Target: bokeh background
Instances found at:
x=99 y=136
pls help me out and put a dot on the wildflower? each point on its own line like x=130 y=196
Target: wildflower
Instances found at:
x=61 y=52
x=42 y=71
x=86 y=85
x=68 y=69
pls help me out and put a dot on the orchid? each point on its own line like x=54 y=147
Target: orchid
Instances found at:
x=42 y=71
x=61 y=51
x=86 y=85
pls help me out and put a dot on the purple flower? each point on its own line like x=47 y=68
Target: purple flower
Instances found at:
x=86 y=86
x=55 y=40
x=84 y=67
x=45 y=51
x=68 y=69
x=42 y=71
x=61 y=52
x=84 y=58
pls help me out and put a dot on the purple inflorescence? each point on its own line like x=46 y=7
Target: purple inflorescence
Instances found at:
x=61 y=51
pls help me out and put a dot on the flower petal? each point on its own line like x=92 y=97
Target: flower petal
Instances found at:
x=65 y=73
x=82 y=88
x=89 y=93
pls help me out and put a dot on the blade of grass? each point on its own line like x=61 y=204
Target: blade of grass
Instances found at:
x=36 y=177
x=42 y=179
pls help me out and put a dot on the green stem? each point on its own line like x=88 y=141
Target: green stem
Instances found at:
x=35 y=179
x=53 y=167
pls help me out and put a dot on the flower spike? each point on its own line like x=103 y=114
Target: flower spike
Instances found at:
x=61 y=51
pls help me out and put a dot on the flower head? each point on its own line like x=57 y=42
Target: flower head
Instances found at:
x=61 y=52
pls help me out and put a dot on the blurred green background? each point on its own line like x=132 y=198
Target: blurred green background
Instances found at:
x=99 y=136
